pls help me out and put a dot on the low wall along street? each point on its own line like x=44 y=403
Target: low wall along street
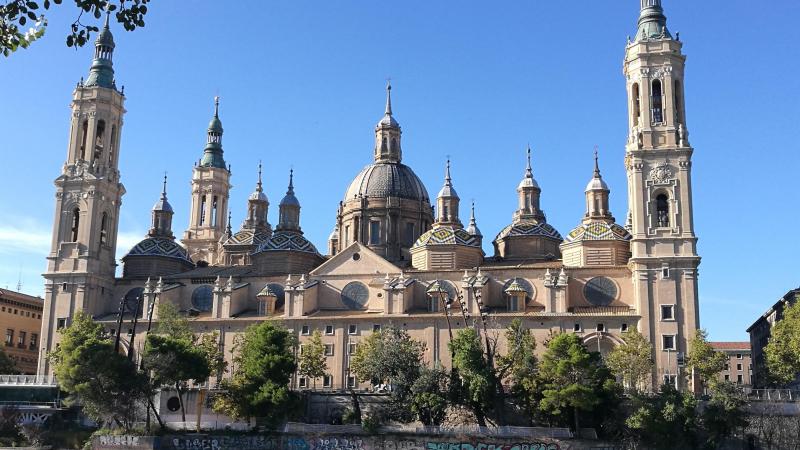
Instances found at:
x=330 y=442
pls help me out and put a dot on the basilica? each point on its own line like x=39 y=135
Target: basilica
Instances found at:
x=396 y=256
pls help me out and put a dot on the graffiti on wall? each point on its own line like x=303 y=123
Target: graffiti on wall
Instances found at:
x=488 y=446
x=225 y=443
x=327 y=443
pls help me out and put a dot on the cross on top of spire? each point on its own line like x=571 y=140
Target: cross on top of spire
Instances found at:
x=388 y=111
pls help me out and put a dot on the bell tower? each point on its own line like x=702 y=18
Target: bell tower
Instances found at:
x=658 y=162
x=81 y=265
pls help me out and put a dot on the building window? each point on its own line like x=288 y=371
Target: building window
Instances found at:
x=662 y=210
x=677 y=102
x=671 y=380
x=739 y=367
x=667 y=312
x=351 y=382
x=9 y=337
x=739 y=379
x=34 y=341
x=751 y=366
x=202 y=210
x=352 y=329
x=433 y=304
x=214 y=211
x=410 y=235
x=374 y=232
x=327 y=381
x=513 y=303
x=303 y=382
x=83 y=138
x=98 y=140
x=577 y=328
x=624 y=327
x=328 y=349
x=300 y=349
x=601 y=327
x=305 y=330
x=76 y=222
x=727 y=377
x=61 y=323
x=636 y=105
x=668 y=342
x=329 y=330
x=664 y=272
x=738 y=356
x=657 y=102
x=351 y=348
x=727 y=366
x=22 y=335
x=104 y=229
x=346 y=235
x=376 y=328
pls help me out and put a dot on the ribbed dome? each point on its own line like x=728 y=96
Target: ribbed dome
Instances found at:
x=447 y=235
x=157 y=246
x=529 y=228
x=383 y=180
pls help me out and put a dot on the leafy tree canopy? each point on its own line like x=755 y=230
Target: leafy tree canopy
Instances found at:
x=389 y=356
x=632 y=361
x=312 y=358
x=666 y=420
x=477 y=377
x=783 y=350
x=705 y=361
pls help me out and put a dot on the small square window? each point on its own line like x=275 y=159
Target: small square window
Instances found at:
x=739 y=379
x=305 y=330
x=751 y=366
x=667 y=312
x=738 y=356
x=577 y=328
x=727 y=366
x=327 y=381
x=739 y=367
x=376 y=328
x=328 y=349
x=351 y=382
x=303 y=382
x=351 y=348
x=665 y=272
x=329 y=330
x=668 y=342
x=601 y=327
x=61 y=323
x=352 y=329
x=624 y=327
x=727 y=377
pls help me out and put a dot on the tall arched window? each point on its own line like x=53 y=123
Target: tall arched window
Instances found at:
x=202 y=210
x=76 y=220
x=84 y=135
x=98 y=139
x=637 y=110
x=214 y=212
x=657 y=102
x=662 y=210
x=104 y=229
x=112 y=143
x=677 y=102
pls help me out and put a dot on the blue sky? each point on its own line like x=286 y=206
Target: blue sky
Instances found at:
x=302 y=85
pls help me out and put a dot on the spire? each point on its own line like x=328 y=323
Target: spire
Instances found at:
x=163 y=204
x=528 y=195
x=596 y=183
x=652 y=21
x=387 y=134
x=596 y=165
x=472 y=228
x=212 y=155
x=447 y=201
x=388 y=111
x=289 y=209
x=528 y=181
x=528 y=169
x=162 y=215
x=597 y=194
x=101 y=74
x=228 y=229
x=257 y=208
x=447 y=189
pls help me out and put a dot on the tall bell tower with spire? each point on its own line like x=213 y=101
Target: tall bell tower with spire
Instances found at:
x=659 y=166
x=210 y=190
x=81 y=263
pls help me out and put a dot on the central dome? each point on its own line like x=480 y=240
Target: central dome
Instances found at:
x=381 y=180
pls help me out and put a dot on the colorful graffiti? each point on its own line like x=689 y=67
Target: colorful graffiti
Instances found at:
x=485 y=446
x=224 y=443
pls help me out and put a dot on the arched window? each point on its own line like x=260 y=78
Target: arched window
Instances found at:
x=104 y=229
x=214 y=212
x=677 y=102
x=662 y=210
x=76 y=219
x=112 y=143
x=202 y=210
x=84 y=135
x=657 y=102
x=637 y=110
x=98 y=140
x=445 y=212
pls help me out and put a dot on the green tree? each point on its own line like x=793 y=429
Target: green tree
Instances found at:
x=783 y=350
x=7 y=366
x=312 y=359
x=172 y=323
x=391 y=357
x=478 y=382
x=209 y=345
x=259 y=385
x=105 y=383
x=571 y=379
x=174 y=361
x=706 y=362
x=429 y=396
x=632 y=362
x=667 y=420
x=724 y=414
x=15 y=15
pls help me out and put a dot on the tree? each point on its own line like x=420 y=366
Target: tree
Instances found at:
x=391 y=357
x=703 y=359
x=632 y=362
x=7 y=366
x=429 y=396
x=724 y=413
x=16 y=14
x=518 y=365
x=107 y=385
x=259 y=386
x=172 y=323
x=174 y=361
x=666 y=420
x=572 y=379
x=783 y=350
x=312 y=358
x=476 y=374
x=210 y=347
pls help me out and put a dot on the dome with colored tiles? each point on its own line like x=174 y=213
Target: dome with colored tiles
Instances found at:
x=248 y=237
x=159 y=246
x=447 y=235
x=598 y=231
x=529 y=228
x=287 y=241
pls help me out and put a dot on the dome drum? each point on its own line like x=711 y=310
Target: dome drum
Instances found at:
x=286 y=252
x=153 y=257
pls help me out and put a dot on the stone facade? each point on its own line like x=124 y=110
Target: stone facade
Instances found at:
x=739 y=365
x=396 y=260
x=21 y=320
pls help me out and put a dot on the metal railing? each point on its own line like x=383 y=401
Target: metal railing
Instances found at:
x=773 y=395
x=28 y=380
x=499 y=432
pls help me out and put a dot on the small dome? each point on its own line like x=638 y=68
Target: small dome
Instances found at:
x=162 y=205
x=157 y=246
x=596 y=184
x=447 y=235
x=388 y=121
x=105 y=37
x=215 y=125
x=383 y=180
x=334 y=236
x=528 y=181
x=290 y=200
x=529 y=228
x=247 y=237
x=258 y=195
x=598 y=231
x=287 y=241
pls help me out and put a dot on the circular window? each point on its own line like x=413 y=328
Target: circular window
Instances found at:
x=356 y=256
x=355 y=295
x=600 y=291
x=173 y=404
x=202 y=298
x=132 y=299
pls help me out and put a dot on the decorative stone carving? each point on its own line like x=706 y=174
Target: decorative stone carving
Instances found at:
x=661 y=174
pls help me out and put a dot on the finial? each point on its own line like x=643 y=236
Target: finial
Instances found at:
x=216 y=106
x=229 y=229
x=258 y=185
x=528 y=170
x=388 y=97
x=291 y=181
x=164 y=187
x=596 y=164
x=472 y=212
x=108 y=14
x=447 y=172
